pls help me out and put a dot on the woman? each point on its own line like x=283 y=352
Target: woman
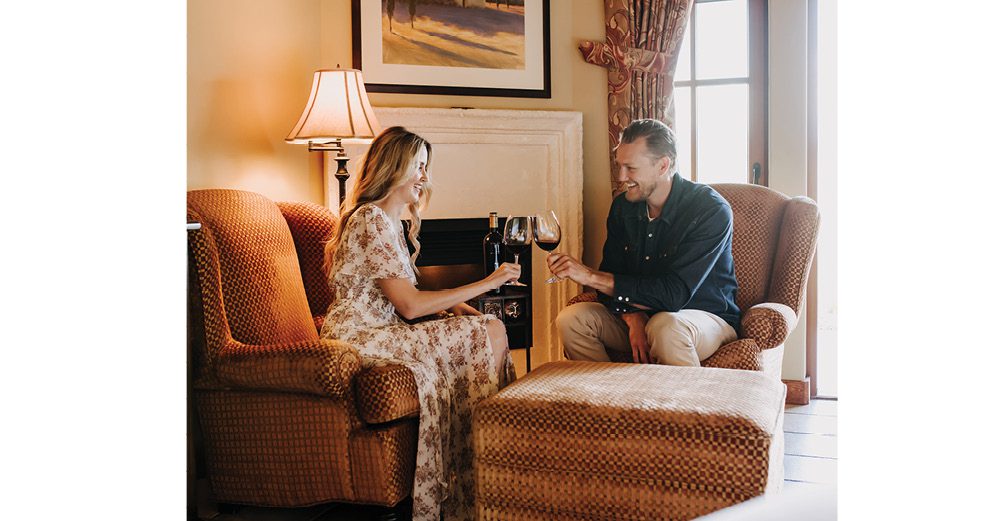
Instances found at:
x=456 y=361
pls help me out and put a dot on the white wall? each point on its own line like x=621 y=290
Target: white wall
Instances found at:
x=787 y=70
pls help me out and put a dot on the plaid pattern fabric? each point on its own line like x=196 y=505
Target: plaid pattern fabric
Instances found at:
x=666 y=442
x=740 y=354
x=386 y=393
x=386 y=474
x=768 y=324
x=757 y=220
x=275 y=402
x=774 y=240
x=795 y=251
x=276 y=449
x=311 y=227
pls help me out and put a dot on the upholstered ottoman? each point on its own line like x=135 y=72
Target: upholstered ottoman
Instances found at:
x=587 y=440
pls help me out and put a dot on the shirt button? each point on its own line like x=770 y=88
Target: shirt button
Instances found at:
x=650 y=234
x=647 y=257
x=619 y=298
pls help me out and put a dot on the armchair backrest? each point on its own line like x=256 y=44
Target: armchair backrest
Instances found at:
x=774 y=239
x=248 y=272
x=312 y=226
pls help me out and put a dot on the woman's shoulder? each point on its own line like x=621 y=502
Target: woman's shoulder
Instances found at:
x=368 y=214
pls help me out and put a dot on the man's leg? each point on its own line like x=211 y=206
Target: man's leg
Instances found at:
x=588 y=328
x=686 y=337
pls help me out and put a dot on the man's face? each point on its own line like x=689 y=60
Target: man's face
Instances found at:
x=639 y=171
x=410 y=191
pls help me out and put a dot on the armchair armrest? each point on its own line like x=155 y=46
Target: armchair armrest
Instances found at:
x=740 y=354
x=321 y=367
x=386 y=393
x=769 y=324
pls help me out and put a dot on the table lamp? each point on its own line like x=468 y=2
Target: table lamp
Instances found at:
x=338 y=109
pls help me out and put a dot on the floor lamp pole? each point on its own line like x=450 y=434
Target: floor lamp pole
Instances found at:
x=342 y=174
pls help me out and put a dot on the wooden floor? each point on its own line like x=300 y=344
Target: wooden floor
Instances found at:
x=810 y=444
x=809 y=460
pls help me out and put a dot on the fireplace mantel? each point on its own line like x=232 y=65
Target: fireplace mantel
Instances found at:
x=511 y=162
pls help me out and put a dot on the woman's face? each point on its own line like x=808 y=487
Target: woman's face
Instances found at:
x=410 y=191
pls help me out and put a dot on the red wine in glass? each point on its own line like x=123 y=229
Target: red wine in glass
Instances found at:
x=547 y=246
x=547 y=235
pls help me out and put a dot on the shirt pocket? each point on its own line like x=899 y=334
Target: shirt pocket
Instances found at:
x=673 y=246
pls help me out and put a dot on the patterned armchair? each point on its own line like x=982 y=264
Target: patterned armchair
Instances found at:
x=774 y=239
x=286 y=419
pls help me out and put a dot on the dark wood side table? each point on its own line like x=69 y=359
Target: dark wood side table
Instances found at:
x=513 y=308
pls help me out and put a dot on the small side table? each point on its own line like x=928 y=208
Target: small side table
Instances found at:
x=513 y=308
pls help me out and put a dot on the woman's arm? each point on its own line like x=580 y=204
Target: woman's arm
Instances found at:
x=413 y=303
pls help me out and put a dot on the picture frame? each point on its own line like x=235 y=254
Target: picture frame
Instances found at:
x=478 y=50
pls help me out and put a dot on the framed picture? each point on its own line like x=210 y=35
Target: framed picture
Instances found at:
x=459 y=47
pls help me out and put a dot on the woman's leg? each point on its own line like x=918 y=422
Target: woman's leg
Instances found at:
x=498 y=338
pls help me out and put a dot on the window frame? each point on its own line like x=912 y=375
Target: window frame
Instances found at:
x=757 y=88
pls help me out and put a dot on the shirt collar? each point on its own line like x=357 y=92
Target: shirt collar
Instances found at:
x=670 y=206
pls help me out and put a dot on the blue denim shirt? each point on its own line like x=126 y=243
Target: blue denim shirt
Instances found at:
x=681 y=260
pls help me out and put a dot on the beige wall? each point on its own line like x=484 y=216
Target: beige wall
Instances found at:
x=250 y=65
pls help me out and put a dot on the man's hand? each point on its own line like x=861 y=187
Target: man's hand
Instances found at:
x=637 y=322
x=463 y=309
x=565 y=267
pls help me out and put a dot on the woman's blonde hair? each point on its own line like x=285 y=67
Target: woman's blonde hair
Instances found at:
x=386 y=166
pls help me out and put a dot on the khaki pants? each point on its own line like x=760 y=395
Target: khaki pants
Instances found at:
x=684 y=338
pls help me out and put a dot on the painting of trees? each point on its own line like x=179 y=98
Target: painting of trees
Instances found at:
x=390 y=14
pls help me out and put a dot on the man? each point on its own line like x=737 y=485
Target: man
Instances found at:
x=666 y=284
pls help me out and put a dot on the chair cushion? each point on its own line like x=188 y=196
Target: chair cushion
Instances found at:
x=386 y=393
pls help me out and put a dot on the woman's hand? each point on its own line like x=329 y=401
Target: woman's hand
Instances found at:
x=507 y=272
x=463 y=309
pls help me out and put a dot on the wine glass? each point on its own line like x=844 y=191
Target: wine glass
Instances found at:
x=547 y=235
x=517 y=238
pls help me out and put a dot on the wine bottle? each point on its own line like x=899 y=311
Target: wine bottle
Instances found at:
x=492 y=247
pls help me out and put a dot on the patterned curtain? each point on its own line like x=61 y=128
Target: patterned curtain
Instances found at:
x=643 y=39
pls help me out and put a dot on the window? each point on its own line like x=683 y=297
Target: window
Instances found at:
x=720 y=107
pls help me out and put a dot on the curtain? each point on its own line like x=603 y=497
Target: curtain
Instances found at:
x=643 y=39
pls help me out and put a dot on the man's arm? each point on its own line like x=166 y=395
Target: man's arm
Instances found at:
x=614 y=258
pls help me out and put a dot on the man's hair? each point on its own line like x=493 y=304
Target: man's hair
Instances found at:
x=660 y=139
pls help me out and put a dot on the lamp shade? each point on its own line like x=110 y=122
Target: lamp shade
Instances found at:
x=338 y=108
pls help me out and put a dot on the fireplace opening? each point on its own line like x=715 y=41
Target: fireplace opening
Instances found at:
x=452 y=255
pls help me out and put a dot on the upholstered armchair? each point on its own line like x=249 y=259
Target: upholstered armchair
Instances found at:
x=774 y=239
x=286 y=419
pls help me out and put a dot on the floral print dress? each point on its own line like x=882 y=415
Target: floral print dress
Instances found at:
x=451 y=359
